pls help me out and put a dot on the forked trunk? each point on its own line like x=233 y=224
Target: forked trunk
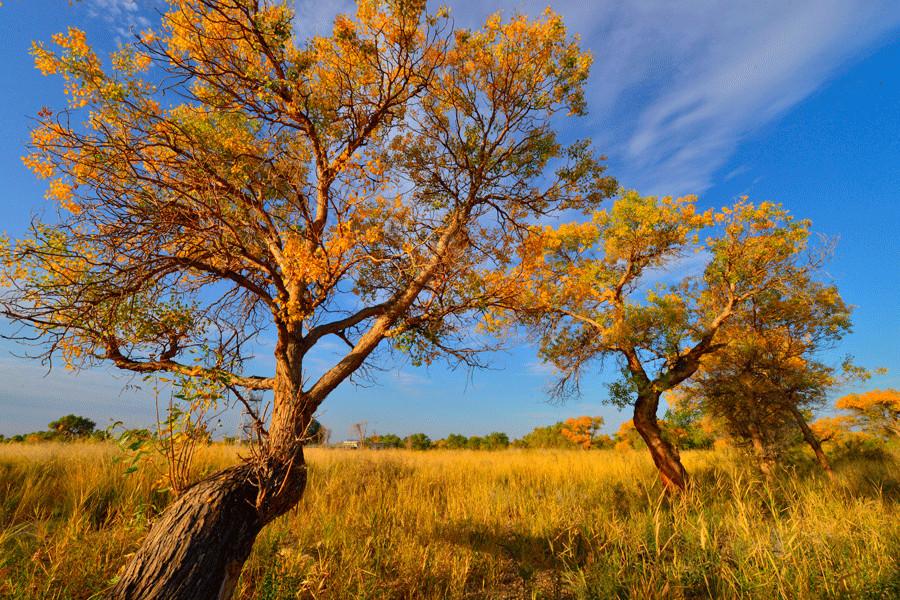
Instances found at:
x=813 y=442
x=197 y=548
x=665 y=455
x=762 y=454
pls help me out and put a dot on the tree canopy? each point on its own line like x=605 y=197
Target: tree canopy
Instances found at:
x=877 y=411
x=763 y=385
x=585 y=292
x=72 y=426
x=219 y=177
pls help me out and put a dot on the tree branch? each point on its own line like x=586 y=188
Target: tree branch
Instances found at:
x=252 y=382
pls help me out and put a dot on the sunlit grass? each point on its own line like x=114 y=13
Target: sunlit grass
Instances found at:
x=463 y=524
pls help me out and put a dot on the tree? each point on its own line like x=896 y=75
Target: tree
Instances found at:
x=455 y=441
x=417 y=441
x=316 y=433
x=769 y=379
x=496 y=440
x=685 y=422
x=72 y=426
x=358 y=431
x=550 y=436
x=627 y=437
x=385 y=440
x=220 y=178
x=475 y=442
x=582 y=431
x=842 y=434
x=877 y=412
x=582 y=295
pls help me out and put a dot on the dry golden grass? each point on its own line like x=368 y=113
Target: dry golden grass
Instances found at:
x=462 y=524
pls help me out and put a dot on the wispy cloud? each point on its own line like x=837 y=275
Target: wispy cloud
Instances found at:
x=125 y=17
x=677 y=85
x=731 y=68
x=541 y=368
x=691 y=264
x=408 y=382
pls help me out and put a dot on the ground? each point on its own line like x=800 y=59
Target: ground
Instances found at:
x=469 y=524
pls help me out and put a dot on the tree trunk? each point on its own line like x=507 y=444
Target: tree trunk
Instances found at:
x=197 y=548
x=813 y=442
x=665 y=455
x=763 y=459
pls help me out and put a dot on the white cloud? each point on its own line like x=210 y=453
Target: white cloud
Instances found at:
x=407 y=379
x=126 y=17
x=691 y=264
x=541 y=368
x=677 y=85
x=735 y=69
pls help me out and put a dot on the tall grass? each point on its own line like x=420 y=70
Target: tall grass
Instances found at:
x=462 y=524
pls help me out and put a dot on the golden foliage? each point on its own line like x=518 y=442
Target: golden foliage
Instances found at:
x=876 y=411
x=369 y=180
x=582 y=431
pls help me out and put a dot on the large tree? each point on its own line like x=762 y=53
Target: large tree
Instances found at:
x=584 y=294
x=220 y=178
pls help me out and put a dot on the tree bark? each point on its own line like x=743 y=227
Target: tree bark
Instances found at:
x=813 y=442
x=665 y=456
x=763 y=458
x=197 y=548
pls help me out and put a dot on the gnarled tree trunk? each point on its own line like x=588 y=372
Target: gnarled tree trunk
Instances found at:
x=665 y=455
x=813 y=442
x=197 y=548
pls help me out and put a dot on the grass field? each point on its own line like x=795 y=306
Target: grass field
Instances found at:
x=464 y=524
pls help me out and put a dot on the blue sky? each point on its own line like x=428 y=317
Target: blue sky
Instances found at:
x=797 y=102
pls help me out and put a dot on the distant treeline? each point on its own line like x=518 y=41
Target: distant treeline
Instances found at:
x=65 y=429
x=872 y=420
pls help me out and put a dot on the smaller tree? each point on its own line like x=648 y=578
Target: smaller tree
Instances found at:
x=583 y=293
x=877 y=411
x=417 y=441
x=583 y=431
x=385 y=440
x=358 y=432
x=836 y=430
x=72 y=426
x=767 y=382
x=455 y=441
x=496 y=440
x=685 y=423
x=317 y=434
x=549 y=436
x=627 y=437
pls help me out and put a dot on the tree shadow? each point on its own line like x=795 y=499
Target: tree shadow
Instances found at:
x=538 y=560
